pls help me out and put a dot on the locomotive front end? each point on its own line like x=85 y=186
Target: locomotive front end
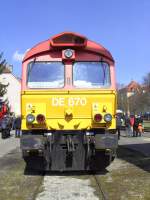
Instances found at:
x=68 y=105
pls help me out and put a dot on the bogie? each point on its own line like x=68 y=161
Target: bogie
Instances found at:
x=61 y=151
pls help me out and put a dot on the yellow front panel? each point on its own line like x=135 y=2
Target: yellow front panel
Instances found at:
x=68 y=110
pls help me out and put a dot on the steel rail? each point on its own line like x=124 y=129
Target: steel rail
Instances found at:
x=101 y=191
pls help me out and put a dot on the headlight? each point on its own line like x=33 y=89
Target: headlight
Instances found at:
x=68 y=53
x=108 y=118
x=30 y=118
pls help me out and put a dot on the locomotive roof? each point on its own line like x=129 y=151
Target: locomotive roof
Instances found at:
x=58 y=41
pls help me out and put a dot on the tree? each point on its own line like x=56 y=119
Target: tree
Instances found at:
x=146 y=81
x=122 y=97
x=2 y=67
x=140 y=101
x=122 y=100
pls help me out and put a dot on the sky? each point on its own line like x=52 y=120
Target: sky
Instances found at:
x=121 y=26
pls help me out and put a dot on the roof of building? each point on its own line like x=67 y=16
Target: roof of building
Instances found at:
x=133 y=85
x=6 y=70
x=9 y=71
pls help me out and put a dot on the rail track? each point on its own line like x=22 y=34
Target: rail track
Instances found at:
x=101 y=191
x=73 y=186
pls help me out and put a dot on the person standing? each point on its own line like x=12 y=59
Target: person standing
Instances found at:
x=140 y=126
x=17 y=126
x=135 y=126
x=118 y=125
x=127 y=125
x=132 y=119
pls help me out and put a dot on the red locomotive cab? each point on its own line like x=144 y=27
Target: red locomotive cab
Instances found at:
x=58 y=48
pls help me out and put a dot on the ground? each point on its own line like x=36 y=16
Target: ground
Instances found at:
x=128 y=177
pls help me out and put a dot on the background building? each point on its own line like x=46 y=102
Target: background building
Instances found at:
x=134 y=98
x=13 y=90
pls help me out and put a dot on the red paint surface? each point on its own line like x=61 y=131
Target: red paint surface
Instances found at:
x=89 y=51
x=3 y=110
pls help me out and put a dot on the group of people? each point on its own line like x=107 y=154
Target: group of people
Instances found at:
x=133 y=125
x=8 y=123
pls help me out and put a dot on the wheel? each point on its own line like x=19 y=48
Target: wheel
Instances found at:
x=4 y=134
x=8 y=133
x=34 y=162
x=99 y=161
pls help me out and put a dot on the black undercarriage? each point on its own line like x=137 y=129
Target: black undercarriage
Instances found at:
x=68 y=151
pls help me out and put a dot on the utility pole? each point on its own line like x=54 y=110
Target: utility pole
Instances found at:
x=128 y=106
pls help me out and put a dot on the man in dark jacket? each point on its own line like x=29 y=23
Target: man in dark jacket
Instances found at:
x=135 y=127
x=17 y=126
x=118 y=125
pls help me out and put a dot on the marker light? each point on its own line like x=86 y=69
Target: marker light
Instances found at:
x=108 y=118
x=30 y=118
x=40 y=118
x=98 y=117
x=68 y=53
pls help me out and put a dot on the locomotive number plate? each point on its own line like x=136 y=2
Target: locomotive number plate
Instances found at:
x=72 y=101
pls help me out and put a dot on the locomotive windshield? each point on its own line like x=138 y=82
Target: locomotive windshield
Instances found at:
x=91 y=74
x=45 y=75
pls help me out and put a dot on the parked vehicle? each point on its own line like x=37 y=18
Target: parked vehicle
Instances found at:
x=3 y=110
x=6 y=126
x=146 y=116
x=146 y=121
